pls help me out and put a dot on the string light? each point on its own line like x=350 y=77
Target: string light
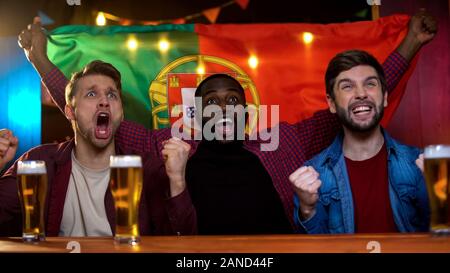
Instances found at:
x=163 y=45
x=100 y=20
x=182 y=20
x=308 y=37
x=200 y=69
x=132 y=43
x=253 y=62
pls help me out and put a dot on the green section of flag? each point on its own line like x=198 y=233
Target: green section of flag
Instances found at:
x=72 y=47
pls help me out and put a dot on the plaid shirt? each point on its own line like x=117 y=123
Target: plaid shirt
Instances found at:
x=297 y=142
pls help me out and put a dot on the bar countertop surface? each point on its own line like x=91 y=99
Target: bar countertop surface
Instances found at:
x=360 y=243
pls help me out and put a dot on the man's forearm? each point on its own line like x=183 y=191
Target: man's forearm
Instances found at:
x=422 y=28
x=409 y=47
x=56 y=82
x=43 y=65
x=52 y=78
x=183 y=214
x=394 y=67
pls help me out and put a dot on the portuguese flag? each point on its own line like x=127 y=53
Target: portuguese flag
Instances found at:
x=278 y=64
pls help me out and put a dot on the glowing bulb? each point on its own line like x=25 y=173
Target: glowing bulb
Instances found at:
x=201 y=70
x=253 y=62
x=132 y=43
x=308 y=37
x=163 y=45
x=101 y=20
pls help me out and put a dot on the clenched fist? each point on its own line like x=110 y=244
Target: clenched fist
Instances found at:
x=176 y=154
x=33 y=40
x=423 y=26
x=8 y=147
x=422 y=29
x=306 y=184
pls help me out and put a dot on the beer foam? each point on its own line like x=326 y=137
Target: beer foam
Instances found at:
x=125 y=161
x=437 y=151
x=31 y=167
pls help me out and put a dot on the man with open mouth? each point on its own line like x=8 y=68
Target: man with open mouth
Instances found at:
x=79 y=201
x=235 y=186
x=365 y=182
x=230 y=189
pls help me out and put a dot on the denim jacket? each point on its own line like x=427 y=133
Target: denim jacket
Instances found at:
x=334 y=209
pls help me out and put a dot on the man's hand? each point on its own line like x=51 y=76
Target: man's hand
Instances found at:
x=8 y=147
x=421 y=29
x=34 y=43
x=176 y=154
x=306 y=184
x=419 y=162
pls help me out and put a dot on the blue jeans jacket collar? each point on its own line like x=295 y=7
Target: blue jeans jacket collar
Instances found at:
x=334 y=151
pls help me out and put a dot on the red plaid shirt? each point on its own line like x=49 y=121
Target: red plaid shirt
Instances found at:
x=297 y=142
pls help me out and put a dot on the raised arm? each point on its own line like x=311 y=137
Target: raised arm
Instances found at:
x=33 y=40
x=422 y=28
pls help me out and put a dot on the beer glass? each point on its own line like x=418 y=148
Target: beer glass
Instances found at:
x=126 y=188
x=437 y=174
x=32 y=185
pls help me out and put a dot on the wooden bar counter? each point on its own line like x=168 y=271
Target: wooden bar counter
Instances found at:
x=361 y=243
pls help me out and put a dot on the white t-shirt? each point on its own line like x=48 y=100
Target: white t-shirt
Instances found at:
x=84 y=208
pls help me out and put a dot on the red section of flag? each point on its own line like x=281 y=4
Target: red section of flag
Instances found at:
x=178 y=106
x=243 y=3
x=290 y=72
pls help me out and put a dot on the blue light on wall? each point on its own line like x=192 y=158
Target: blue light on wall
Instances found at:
x=20 y=95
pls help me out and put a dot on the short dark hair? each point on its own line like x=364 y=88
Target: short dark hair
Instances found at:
x=96 y=67
x=347 y=60
x=218 y=76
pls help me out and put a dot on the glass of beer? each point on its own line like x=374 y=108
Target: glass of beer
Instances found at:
x=437 y=174
x=32 y=185
x=126 y=188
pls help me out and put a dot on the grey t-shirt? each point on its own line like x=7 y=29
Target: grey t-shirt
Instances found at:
x=84 y=208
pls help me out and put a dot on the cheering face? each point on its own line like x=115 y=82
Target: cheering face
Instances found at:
x=359 y=101
x=223 y=92
x=97 y=110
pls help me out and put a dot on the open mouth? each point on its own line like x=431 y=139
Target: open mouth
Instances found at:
x=224 y=126
x=361 y=109
x=103 y=128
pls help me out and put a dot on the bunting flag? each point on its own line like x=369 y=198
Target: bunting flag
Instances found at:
x=278 y=64
x=243 y=3
x=45 y=19
x=212 y=14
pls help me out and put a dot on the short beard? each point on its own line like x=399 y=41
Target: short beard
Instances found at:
x=347 y=122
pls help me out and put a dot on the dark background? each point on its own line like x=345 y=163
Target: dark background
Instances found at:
x=17 y=14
